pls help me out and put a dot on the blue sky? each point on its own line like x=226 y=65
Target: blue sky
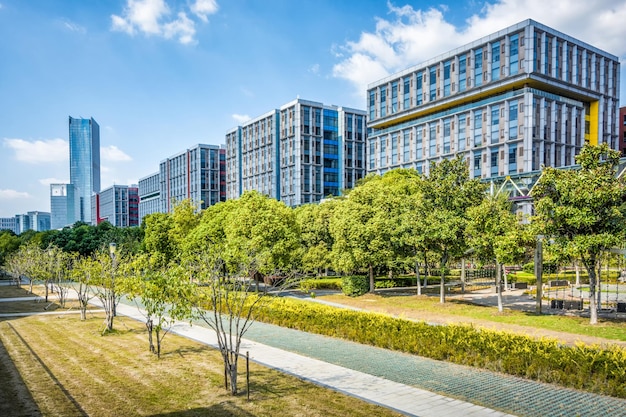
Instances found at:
x=162 y=75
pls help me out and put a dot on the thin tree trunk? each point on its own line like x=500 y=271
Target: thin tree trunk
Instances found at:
x=463 y=276
x=577 y=268
x=590 y=266
x=150 y=327
x=371 y=277
x=599 y=285
x=506 y=280
x=499 y=285
x=417 y=276
x=233 y=377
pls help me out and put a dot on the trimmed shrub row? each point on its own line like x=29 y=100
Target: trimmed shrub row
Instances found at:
x=591 y=368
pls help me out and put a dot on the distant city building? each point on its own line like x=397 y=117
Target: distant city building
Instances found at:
x=196 y=173
x=524 y=97
x=8 y=223
x=118 y=204
x=64 y=205
x=33 y=220
x=300 y=153
x=149 y=195
x=84 y=141
x=622 y=130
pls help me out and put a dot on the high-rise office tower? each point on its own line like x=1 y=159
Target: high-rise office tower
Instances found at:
x=149 y=193
x=84 y=163
x=64 y=205
x=300 y=153
x=524 y=97
x=196 y=173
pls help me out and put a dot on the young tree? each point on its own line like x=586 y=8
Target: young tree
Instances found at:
x=105 y=279
x=488 y=223
x=447 y=195
x=583 y=210
x=165 y=292
x=84 y=272
x=316 y=240
x=227 y=304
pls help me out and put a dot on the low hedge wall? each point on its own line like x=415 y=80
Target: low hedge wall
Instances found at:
x=591 y=368
x=312 y=284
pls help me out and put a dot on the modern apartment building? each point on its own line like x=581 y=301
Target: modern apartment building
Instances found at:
x=196 y=173
x=38 y=221
x=300 y=153
x=622 y=130
x=64 y=205
x=8 y=223
x=149 y=195
x=510 y=102
x=84 y=141
x=118 y=204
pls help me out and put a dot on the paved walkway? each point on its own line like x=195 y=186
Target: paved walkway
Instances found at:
x=412 y=385
x=409 y=384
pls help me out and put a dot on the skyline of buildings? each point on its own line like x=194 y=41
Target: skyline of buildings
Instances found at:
x=523 y=97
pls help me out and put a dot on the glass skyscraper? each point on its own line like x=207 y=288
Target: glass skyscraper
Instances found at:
x=84 y=163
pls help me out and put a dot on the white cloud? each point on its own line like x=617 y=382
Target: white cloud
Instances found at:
x=202 y=8
x=114 y=154
x=13 y=195
x=314 y=69
x=73 y=27
x=48 y=181
x=411 y=36
x=152 y=17
x=39 y=151
x=183 y=28
x=241 y=118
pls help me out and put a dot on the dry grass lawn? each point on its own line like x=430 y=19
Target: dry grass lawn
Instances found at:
x=57 y=365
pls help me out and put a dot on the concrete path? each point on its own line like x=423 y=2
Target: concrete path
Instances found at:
x=403 y=398
x=409 y=384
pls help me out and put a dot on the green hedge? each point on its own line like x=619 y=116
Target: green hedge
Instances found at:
x=592 y=368
x=321 y=284
x=355 y=285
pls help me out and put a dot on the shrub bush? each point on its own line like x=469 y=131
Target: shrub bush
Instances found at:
x=355 y=285
x=592 y=368
x=320 y=284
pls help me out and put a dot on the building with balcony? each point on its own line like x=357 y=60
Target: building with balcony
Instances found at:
x=299 y=153
x=521 y=98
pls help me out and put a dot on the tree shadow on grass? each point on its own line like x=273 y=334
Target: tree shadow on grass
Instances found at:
x=15 y=398
x=225 y=409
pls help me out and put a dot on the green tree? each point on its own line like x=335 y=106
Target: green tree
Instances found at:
x=361 y=229
x=253 y=230
x=488 y=224
x=85 y=271
x=316 y=240
x=165 y=292
x=583 y=210
x=9 y=244
x=447 y=195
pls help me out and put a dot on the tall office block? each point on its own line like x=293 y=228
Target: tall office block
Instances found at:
x=510 y=102
x=64 y=205
x=300 y=153
x=33 y=220
x=84 y=163
x=8 y=223
x=149 y=195
x=197 y=174
x=118 y=205
x=622 y=130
